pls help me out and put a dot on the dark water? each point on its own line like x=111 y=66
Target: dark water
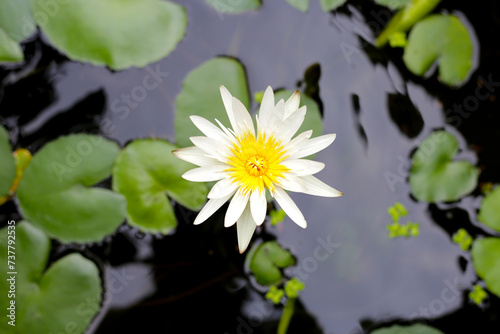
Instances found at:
x=194 y=280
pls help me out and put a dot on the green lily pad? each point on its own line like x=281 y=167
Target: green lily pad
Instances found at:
x=116 y=33
x=434 y=177
x=200 y=95
x=329 y=5
x=16 y=19
x=302 y=5
x=486 y=258
x=147 y=174
x=313 y=120
x=406 y=18
x=8 y=170
x=10 y=51
x=489 y=214
x=234 y=7
x=53 y=192
x=413 y=329
x=441 y=38
x=393 y=4
x=66 y=296
x=266 y=261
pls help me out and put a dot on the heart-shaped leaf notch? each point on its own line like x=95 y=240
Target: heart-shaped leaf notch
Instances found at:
x=266 y=260
x=434 y=177
x=445 y=39
x=64 y=297
x=486 y=258
x=53 y=192
x=147 y=174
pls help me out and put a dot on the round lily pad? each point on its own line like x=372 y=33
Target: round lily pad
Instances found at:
x=53 y=192
x=65 y=296
x=441 y=38
x=266 y=261
x=16 y=19
x=486 y=258
x=200 y=95
x=116 y=33
x=434 y=177
x=234 y=7
x=149 y=175
x=489 y=214
x=413 y=329
x=8 y=170
x=10 y=51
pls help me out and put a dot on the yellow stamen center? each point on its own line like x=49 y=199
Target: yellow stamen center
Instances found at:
x=255 y=163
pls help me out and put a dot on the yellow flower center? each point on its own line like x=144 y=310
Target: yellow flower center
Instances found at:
x=255 y=163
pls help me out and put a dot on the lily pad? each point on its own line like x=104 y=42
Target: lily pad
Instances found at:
x=434 y=177
x=302 y=5
x=10 y=51
x=267 y=260
x=489 y=214
x=393 y=4
x=413 y=329
x=441 y=38
x=16 y=19
x=8 y=170
x=329 y=5
x=53 y=192
x=486 y=258
x=234 y=7
x=313 y=120
x=67 y=295
x=116 y=33
x=200 y=95
x=406 y=18
x=147 y=174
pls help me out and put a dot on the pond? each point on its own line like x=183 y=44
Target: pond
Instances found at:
x=357 y=278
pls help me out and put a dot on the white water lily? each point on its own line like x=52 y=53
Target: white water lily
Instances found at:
x=246 y=163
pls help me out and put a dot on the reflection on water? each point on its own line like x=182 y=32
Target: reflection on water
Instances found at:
x=355 y=275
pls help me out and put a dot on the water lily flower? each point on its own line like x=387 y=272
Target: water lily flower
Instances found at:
x=246 y=163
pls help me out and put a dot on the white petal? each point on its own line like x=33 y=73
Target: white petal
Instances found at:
x=212 y=147
x=298 y=142
x=258 y=205
x=301 y=167
x=267 y=105
x=314 y=145
x=243 y=118
x=318 y=188
x=223 y=188
x=290 y=208
x=292 y=104
x=206 y=173
x=226 y=131
x=194 y=155
x=209 y=129
x=227 y=99
x=291 y=182
x=209 y=209
x=291 y=125
x=236 y=207
x=245 y=229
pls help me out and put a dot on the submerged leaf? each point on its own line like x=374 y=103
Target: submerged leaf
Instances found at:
x=486 y=258
x=116 y=33
x=267 y=260
x=434 y=177
x=200 y=95
x=53 y=192
x=413 y=329
x=8 y=169
x=441 y=38
x=489 y=213
x=46 y=301
x=147 y=173
x=234 y=7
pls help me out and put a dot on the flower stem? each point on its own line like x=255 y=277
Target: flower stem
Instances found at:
x=286 y=317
